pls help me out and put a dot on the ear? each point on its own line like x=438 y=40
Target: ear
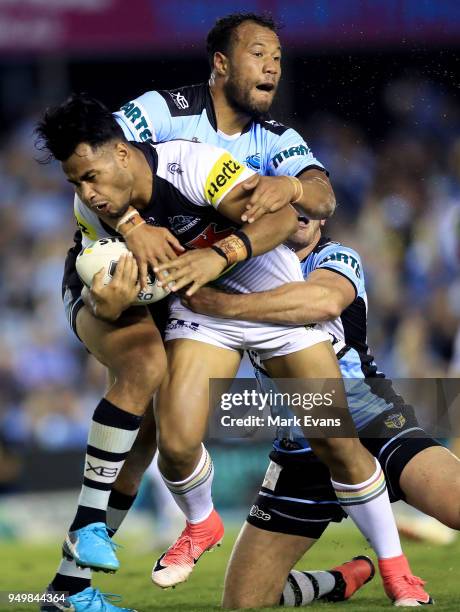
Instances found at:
x=122 y=152
x=220 y=64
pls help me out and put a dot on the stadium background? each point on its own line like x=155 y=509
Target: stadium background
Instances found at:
x=373 y=87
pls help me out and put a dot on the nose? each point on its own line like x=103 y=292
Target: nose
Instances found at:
x=87 y=192
x=271 y=66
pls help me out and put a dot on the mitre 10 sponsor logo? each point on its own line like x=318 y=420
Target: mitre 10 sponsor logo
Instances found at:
x=280 y=157
x=222 y=178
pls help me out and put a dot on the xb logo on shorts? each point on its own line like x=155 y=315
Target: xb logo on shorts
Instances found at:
x=395 y=421
x=258 y=513
x=179 y=100
x=181 y=324
x=101 y=470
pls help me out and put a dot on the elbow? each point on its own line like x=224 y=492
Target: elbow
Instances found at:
x=329 y=207
x=323 y=208
x=332 y=311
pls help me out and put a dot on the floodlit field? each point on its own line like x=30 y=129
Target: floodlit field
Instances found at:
x=30 y=568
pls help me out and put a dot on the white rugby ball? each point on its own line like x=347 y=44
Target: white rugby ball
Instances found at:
x=105 y=253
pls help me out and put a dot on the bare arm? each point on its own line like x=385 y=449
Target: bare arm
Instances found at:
x=199 y=267
x=269 y=230
x=318 y=199
x=322 y=297
x=311 y=192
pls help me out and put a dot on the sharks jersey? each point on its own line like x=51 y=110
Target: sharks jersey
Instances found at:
x=266 y=146
x=190 y=181
x=369 y=393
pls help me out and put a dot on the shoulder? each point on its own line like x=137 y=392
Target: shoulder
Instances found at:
x=271 y=125
x=338 y=257
x=186 y=100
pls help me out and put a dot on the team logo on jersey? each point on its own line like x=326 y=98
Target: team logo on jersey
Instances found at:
x=258 y=513
x=253 y=161
x=280 y=157
x=209 y=236
x=395 y=421
x=175 y=168
x=181 y=223
x=179 y=100
x=346 y=259
x=222 y=178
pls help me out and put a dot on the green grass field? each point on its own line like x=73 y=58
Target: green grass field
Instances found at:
x=30 y=568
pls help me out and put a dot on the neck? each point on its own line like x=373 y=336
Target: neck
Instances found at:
x=142 y=180
x=303 y=252
x=229 y=120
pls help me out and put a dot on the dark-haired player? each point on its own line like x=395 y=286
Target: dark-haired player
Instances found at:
x=244 y=51
x=110 y=175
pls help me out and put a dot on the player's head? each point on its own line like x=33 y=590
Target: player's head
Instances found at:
x=83 y=135
x=245 y=57
x=307 y=234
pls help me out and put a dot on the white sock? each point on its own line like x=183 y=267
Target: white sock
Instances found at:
x=325 y=582
x=299 y=590
x=193 y=495
x=70 y=568
x=368 y=505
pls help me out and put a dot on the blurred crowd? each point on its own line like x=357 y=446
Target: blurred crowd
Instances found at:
x=399 y=206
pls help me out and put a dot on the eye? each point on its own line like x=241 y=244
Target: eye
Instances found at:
x=258 y=53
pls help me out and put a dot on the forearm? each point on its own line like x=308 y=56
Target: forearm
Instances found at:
x=317 y=200
x=271 y=230
x=293 y=304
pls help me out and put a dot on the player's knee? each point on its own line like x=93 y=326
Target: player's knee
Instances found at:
x=451 y=514
x=177 y=451
x=333 y=450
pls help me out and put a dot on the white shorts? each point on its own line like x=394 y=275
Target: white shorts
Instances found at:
x=267 y=340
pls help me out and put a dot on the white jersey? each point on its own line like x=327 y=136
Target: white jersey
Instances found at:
x=190 y=181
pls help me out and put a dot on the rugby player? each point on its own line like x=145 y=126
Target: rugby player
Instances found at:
x=291 y=513
x=244 y=54
x=109 y=174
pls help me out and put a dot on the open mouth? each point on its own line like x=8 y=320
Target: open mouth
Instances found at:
x=101 y=206
x=265 y=87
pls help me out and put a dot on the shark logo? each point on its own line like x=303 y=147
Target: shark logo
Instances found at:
x=253 y=162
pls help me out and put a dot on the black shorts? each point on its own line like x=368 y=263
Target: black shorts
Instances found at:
x=297 y=497
x=72 y=287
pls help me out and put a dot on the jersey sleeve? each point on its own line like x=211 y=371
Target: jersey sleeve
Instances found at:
x=203 y=173
x=291 y=155
x=88 y=222
x=344 y=261
x=146 y=119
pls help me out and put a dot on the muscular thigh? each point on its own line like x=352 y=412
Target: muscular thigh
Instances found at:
x=111 y=343
x=259 y=565
x=431 y=483
x=183 y=398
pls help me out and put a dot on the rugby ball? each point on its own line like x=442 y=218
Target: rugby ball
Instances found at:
x=105 y=253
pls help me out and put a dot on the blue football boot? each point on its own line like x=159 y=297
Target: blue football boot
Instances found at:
x=89 y=600
x=92 y=547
